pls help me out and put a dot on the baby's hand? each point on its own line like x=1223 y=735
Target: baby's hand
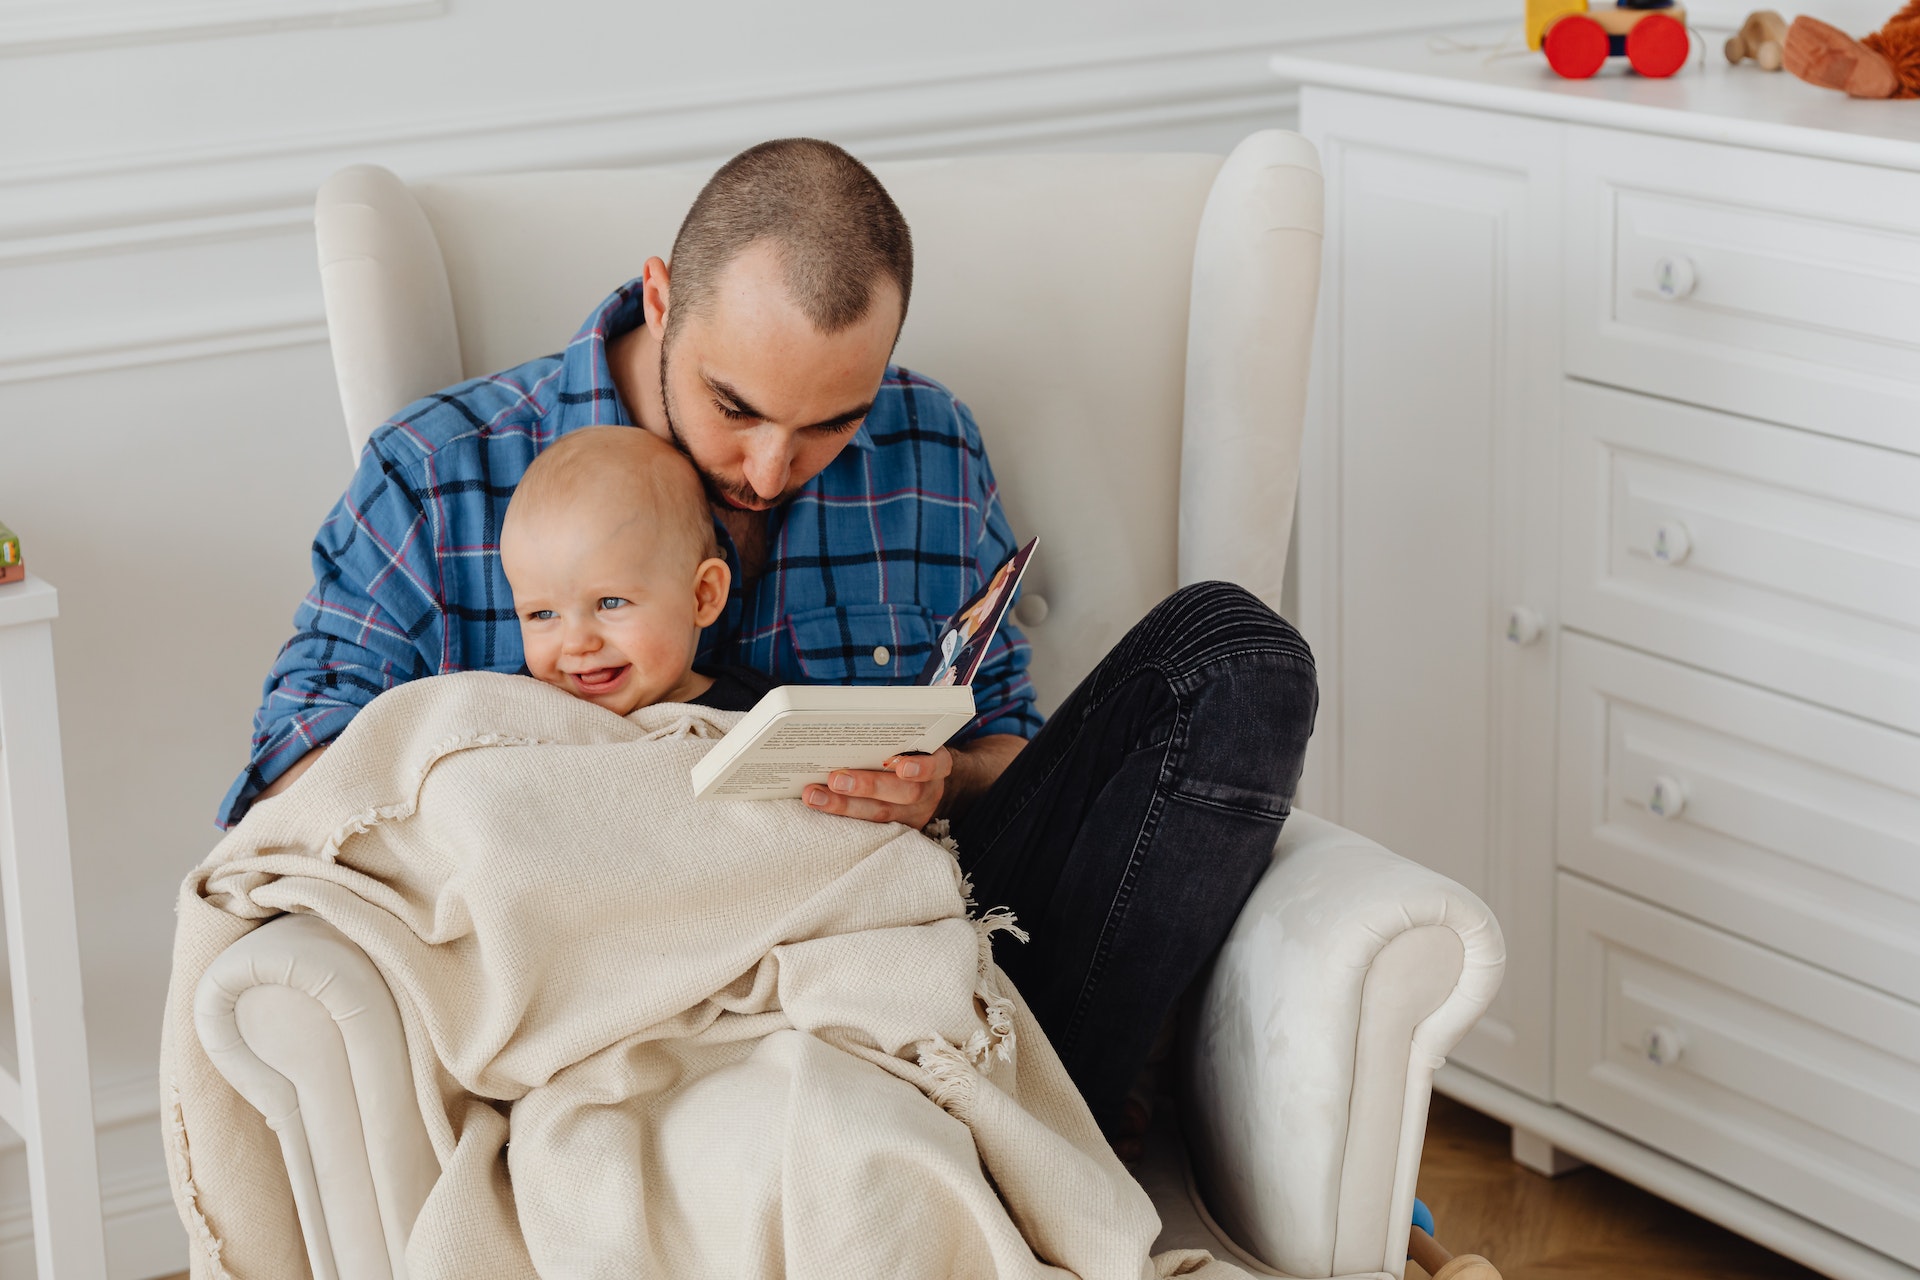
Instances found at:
x=908 y=789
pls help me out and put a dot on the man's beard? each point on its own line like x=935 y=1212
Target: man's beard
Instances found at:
x=720 y=492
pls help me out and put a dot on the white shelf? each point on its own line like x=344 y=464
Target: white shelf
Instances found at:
x=31 y=601
x=47 y=1099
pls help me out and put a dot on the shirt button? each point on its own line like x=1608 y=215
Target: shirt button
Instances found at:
x=882 y=656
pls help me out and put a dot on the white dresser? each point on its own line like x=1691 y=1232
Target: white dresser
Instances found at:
x=1610 y=553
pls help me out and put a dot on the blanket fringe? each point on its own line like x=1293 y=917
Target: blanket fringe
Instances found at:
x=996 y=1040
x=940 y=831
x=953 y=1081
x=210 y=1244
x=367 y=819
x=998 y=920
x=687 y=726
x=955 y=1070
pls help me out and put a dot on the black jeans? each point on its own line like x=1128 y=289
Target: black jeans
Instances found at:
x=1129 y=833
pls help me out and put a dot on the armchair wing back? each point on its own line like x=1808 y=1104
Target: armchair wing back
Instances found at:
x=1131 y=331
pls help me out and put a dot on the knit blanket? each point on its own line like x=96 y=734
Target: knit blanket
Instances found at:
x=727 y=1038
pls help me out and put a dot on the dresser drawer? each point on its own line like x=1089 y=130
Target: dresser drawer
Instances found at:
x=1790 y=825
x=1778 y=556
x=1794 y=1084
x=1779 y=286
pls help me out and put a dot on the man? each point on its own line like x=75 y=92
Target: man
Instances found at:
x=857 y=508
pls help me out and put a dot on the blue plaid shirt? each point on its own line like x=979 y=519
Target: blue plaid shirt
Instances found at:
x=863 y=565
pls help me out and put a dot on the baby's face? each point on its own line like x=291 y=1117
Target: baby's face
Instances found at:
x=608 y=610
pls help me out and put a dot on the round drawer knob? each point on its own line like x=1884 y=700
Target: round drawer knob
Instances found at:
x=1032 y=609
x=1674 y=277
x=1524 y=625
x=1668 y=798
x=1671 y=542
x=882 y=656
x=1663 y=1046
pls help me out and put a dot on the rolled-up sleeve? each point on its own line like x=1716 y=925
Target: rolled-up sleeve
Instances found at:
x=373 y=619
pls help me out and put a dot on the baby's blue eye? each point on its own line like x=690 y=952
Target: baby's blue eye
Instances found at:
x=539 y=615
x=611 y=602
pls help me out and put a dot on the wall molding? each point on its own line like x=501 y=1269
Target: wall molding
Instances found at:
x=123 y=1101
x=122 y=297
x=61 y=26
x=999 y=100
x=215 y=228
x=144 y=1236
x=187 y=345
x=211 y=250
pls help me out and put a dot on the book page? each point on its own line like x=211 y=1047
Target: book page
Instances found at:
x=803 y=747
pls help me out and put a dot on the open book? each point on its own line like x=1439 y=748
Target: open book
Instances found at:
x=800 y=733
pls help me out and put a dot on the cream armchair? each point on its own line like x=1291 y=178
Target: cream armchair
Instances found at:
x=1133 y=333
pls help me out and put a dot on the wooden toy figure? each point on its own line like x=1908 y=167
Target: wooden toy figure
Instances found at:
x=1441 y=1265
x=1578 y=40
x=1762 y=37
x=12 y=568
x=1435 y=1260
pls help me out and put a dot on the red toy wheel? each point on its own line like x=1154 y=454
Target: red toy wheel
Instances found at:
x=1657 y=45
x=1576 y=46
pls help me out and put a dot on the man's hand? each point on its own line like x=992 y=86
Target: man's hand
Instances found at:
x=917 y=789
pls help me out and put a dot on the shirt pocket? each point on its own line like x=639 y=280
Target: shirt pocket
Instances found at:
x=862 y=643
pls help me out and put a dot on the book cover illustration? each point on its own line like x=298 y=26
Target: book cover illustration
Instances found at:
x=962 y=645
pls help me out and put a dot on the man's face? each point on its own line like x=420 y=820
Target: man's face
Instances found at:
x=759 y=399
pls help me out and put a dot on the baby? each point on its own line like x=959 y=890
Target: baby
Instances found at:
x=609 y=548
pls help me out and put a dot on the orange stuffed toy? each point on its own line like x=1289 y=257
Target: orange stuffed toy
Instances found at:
x=1885 y=64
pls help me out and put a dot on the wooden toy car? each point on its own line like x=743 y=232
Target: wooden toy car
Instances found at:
x=1762 y=37
x=1578 y=40
x=12 y=568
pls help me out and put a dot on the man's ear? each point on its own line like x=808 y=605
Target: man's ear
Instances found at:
x=710 y=583
x=653 y=295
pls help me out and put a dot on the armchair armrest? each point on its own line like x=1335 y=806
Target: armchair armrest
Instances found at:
x=300 y=1022
x=1347 y=979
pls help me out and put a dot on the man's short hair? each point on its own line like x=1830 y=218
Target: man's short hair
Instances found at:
x=835 y=227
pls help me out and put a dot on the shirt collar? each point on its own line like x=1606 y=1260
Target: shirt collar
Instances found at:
x=588 y=397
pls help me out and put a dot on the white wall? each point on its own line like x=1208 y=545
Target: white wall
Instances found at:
x=169 y=437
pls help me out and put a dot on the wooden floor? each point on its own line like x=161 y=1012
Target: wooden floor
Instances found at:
x=1585 y=1223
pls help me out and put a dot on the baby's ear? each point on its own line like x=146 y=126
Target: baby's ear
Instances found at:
x=710 y=584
